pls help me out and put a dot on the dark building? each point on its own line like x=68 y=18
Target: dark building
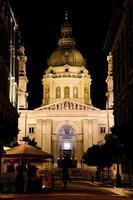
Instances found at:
x=119 y=43
x=8 y=74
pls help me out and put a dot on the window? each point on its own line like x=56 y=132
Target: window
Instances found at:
x=102 y=129
x=31 y=129
x=75 y=92
x=47 y=92
x=66 y=92
x=58 y=92
x=66 y=70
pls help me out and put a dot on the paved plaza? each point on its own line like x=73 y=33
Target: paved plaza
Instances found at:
x=76 y=191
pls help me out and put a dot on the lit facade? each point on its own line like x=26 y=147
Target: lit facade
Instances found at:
x=66 y=122
x=8 y=75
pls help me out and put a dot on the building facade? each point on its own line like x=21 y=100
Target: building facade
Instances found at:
x=8 y=75
x=119 y=44
x=66 y=123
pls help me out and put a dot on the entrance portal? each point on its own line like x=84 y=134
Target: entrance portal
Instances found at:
x=67 y=145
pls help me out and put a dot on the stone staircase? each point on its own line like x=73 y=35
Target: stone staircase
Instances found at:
x=74 y=174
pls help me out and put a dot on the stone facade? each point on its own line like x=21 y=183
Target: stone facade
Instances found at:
x=8 y=75
x=66 y=122
x=88 y=125
x=119 y=45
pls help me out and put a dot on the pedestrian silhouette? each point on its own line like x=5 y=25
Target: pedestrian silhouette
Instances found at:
x=65 y=177
x=65 y=172
x=19 y=182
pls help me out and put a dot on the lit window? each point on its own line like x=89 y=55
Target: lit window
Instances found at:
x=66 y=92
x=75 y=92
x=58 y=92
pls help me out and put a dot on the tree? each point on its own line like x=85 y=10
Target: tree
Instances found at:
x=121 y=139
x=97 y=155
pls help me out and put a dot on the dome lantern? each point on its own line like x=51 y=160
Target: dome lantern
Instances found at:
x=66 y=32
x=66 y=53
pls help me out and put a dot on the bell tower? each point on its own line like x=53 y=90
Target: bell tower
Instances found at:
x=22 y=96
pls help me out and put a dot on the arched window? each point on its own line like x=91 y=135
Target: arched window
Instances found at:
x=58 y=92
x=75 y=92
x=47 y=92
x=66 y=70
x=86 y=94
x=66 y=92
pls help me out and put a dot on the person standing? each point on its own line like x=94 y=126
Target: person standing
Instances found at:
x=65 y=177
x=19 y=182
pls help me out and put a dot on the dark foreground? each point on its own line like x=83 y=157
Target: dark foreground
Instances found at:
x=76 y=191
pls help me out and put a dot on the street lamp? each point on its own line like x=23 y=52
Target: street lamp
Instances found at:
x=1 y=154
x=118 y=176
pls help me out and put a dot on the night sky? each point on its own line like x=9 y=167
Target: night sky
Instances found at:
x=40 y=22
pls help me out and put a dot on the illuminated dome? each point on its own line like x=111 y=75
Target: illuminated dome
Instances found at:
x=66 y=53
x=70 y=56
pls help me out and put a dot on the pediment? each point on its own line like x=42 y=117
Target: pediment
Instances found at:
x=67 y=104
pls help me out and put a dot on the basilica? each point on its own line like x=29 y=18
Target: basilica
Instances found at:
x=66 y=123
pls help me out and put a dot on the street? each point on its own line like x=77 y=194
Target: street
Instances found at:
x=76 y=192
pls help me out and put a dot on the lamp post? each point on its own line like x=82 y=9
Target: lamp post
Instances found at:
x=1 y=154
x=1 y=148
x=118 y=176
